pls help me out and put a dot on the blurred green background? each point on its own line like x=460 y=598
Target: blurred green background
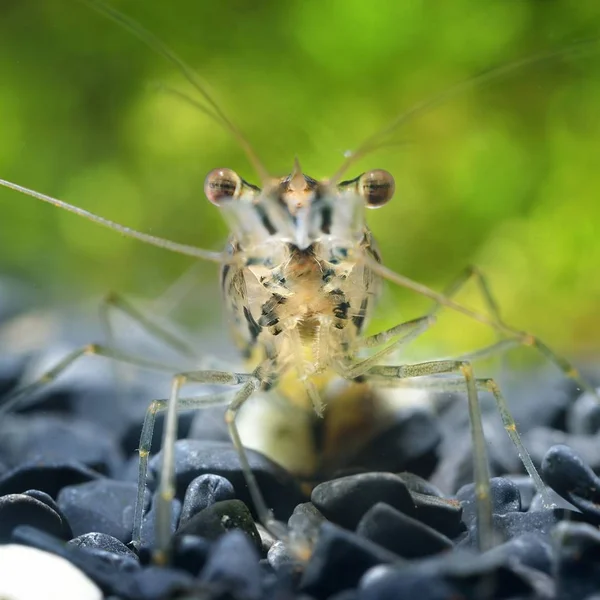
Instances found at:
x=505 y=176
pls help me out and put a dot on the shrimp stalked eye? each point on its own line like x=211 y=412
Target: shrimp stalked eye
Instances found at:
x=376 y=187
x=221 y=185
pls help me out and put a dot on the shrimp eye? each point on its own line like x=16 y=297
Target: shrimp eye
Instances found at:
x=376 y=187
x=221 y=185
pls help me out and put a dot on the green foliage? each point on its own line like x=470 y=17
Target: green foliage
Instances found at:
x=504 y=176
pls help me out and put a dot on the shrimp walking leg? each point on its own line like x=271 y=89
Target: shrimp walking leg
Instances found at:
x=155 y=407
x=12 y=399
x=405 y=332
x=480 y=461
x=521 y=337
x=484 y=385
x=250 y=382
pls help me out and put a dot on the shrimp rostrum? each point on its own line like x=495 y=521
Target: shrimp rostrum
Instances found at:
x=300 y=278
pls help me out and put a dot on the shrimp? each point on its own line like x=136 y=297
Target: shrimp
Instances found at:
x=300 y=278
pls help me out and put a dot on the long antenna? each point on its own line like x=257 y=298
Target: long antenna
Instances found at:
x=373 y=142
x=213 y=109
x=126 y=231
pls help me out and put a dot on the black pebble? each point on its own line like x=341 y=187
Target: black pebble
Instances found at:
x=515 y=524
x=385 y=583
x=149 y=522
x=190 y=553
x=417 y=484
x=339 y=560
x=49 y=501
x=58 y=439
x=457 y=574
x=109 y=549
x=400 y=533
x=46 y=476
x=505 y=498
x=345 y=500
x=578 y=561
x=411 y=444
x=19 y=509
x=528 y=549
x=566 y=472
x=102 y=541
x=443 y=514
x=233 y=566
x=538 y=440
x=221 y=517
x=195 y=457
x=159 y=583
x=104 y=506
x=202 y=492
x=526 y=487
x=583 y=417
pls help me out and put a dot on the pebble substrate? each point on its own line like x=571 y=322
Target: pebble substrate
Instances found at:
x=68 y=482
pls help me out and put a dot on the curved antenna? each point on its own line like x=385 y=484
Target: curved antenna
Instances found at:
x=373 y=142
x=213 y=110
x=126 y=231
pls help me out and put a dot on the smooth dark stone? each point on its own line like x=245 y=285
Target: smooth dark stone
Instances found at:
x=194 y=457
x=567 y=473
x=443 y=514
x=49 y=501
x=583 y=416
x=107 y=548
x=460 y=573
x=400 y=533
x=515 y=524
x=203 y=492
x=534 y=401
x=540 y=439
x=578 y=561
x=24 y=439
x=526 y=488
x=102 y=541
x=49 y=477
x=417 y=484
x=233 y=566
x=344 y=595
x=104 y=506
x=306 y=522
x=11 y=370
x=388 y=583
x=220 y=518
x=129 y=471
x=19 y=509
x=190 y=553
x=528 y=549
x=345 y=500
x=158 y=583
x=149 y=522
x=339 y=560
x=411 y=444
x=504 y=494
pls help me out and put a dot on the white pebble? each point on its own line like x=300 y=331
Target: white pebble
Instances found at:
x=30 y=574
